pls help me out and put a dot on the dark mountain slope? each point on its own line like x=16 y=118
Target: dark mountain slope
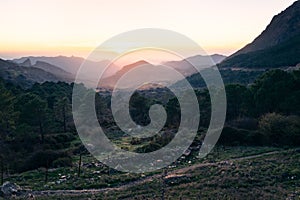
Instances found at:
x=282 y=55
x=283 y=27
x=25 y=76
x=277 y=46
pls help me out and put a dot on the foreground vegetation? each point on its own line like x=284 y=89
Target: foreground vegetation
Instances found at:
x=231 y=174
x=40 y=149
x=96 y=175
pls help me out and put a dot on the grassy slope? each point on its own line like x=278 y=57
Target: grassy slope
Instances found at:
x=228 y=76
x=273 y=176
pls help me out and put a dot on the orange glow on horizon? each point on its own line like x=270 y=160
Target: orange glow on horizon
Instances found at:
x=66 y=27
x=16 y=51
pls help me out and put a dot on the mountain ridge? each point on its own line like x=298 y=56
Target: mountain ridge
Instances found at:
x=282 y=27
x=184 y=66
x=25 y=76
x=71 y=64
x=276 y=47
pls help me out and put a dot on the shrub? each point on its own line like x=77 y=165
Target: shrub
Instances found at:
x=281 y=130
x=245 y=123
x=234 y=137
x=41 y=159
x=62 y=162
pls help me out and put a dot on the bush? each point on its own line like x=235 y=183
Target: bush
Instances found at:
x=59 y=141
x=42 y=159
x=62 y=162
x=233 y=137
x=281 y=130
x=65 y=137
x=245 y=123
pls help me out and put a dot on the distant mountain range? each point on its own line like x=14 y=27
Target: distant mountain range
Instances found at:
x=70 y=64
x=58 y=72
x=25 y=76
x=277 y=46
x=29 y=70
x=184 y=66
x=110 y=81
x=40 y=69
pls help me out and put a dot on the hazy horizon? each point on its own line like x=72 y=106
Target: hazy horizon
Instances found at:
x=76 y=28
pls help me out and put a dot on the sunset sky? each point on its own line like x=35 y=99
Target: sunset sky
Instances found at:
x=65 y=27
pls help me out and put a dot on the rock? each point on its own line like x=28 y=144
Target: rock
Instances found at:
x=30 y=196
x=9 y=189
x=63 y=177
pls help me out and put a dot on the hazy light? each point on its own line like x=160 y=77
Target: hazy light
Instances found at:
x=65 y=27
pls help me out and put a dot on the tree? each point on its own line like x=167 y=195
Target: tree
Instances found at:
x=8 y=115
x=62 y=109
x=139 y=107
x=238 y=101
x=33 y=112
x=173 y=112
x=204 y=106
x=271 y=91
x=101 y=108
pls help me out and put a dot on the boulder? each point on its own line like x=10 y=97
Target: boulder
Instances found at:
x=9 y=189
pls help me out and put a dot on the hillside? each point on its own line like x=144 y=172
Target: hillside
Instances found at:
x=71 y=64
x=25 y=76
x=229 y=77
x=184 y=66
x=283 y=55
x=54 y=70
x=112 y=80
x=276 y=46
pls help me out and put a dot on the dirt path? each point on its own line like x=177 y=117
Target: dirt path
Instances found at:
x=150 y=178
x=184 y=170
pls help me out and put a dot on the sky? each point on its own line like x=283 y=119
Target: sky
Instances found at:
x=66 y=27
